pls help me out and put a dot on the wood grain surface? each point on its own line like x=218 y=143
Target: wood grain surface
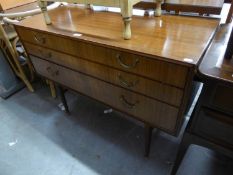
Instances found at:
x=172 y=38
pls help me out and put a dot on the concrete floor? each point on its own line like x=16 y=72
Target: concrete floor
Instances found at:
x=37 y=138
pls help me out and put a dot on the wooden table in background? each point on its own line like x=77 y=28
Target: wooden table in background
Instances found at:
x=148 y=77
x=195 y=6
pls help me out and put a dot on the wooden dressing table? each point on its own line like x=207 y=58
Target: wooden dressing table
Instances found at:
x=148 y=77
x=211 y=123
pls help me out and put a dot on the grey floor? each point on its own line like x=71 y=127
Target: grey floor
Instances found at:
x=38 y=138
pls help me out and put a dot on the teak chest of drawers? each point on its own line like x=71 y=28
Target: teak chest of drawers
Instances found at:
x=148 y=77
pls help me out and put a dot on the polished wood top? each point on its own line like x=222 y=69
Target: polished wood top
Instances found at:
x=214 y=65
x=172 y=38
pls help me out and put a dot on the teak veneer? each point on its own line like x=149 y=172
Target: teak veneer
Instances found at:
x=148 y=77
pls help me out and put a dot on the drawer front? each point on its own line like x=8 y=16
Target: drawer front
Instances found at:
x=154 y=112
x=215 y=126
x=168 y=73
x=222 y=98
x=157 y=90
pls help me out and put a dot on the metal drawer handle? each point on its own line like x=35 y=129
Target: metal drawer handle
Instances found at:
x=39 y=39
x=120 y=61
x=45 y=55
x=123 y=82
x=51 y=72
x=128 y=104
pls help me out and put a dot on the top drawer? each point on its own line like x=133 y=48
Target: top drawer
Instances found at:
x=162 y=71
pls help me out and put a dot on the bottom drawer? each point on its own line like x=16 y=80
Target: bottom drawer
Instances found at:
x=158 y=114
x=214 y=126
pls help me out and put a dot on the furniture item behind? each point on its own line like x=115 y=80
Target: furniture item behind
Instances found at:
x=201 y=7
x=211 y=123
x=229 y=17
x=9 y=46
x=9 y=84
x=16 y=54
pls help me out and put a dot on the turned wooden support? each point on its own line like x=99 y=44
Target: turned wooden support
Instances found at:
x=43 y=7
x=127 y=28
x=158 y=10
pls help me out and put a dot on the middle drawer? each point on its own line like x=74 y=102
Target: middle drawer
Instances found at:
x=156 y=113
x=156 y=90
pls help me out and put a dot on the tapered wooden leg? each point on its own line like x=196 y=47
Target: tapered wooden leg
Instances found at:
x=52 y=88
x=148 y=135
x=43 y=5
x=63 y=98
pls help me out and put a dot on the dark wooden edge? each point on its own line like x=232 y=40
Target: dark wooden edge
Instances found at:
x=221 y=38
x=180 y=8
x=229 y=50
x=190 y=8
x=229 y=17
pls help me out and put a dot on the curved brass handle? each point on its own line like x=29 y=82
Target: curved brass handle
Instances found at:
x=123 y=82
x=45 y=55
x=39 y=39
x=120 y=61
x=128 y=104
